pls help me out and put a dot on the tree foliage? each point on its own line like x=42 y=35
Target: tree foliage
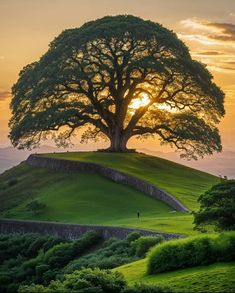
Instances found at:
x=217 y=208
x=92 y=76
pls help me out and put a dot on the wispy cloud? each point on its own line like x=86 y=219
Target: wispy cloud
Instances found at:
x=4 y=95
x=207 y=32
x=212 y=43
x=210 y=53
x=2 y=57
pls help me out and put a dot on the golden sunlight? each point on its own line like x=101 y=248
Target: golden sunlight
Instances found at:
x=142 y=101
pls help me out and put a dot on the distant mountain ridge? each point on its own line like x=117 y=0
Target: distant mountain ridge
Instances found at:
x=10 y=156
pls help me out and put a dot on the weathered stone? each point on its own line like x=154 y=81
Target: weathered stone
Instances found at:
x=72 y=231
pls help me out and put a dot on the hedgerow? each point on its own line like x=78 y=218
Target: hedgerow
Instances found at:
x=193 y=251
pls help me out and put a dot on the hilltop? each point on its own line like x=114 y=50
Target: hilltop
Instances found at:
x=91 y=198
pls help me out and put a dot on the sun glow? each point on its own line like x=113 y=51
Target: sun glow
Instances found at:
x=142 y=101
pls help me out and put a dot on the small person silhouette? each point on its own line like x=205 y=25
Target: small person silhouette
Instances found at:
x=138 y=215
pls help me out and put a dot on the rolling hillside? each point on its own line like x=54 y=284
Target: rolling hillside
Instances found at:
x=90 y=198
x=185 y=183
x=217 y=277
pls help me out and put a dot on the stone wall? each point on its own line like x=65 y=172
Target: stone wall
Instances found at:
x=72 y=231
x=117 y=176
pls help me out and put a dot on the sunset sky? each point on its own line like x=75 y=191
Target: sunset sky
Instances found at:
x=206 y=26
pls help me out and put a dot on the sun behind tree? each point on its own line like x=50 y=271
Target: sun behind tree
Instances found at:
x=118 y=77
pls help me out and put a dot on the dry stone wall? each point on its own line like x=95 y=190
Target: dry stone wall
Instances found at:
x=72 y=231
x=117 y=176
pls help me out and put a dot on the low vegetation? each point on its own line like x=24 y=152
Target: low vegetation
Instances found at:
x=190 y=252
x=113 y=253
x=142 y=245
x=33 y=258
x=36 y=263
x=93 y=281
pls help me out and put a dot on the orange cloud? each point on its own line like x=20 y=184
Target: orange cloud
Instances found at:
x=208 y=32
x=4 y=95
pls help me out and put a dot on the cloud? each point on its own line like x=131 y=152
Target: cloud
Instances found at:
x=232 y=14
x=207 y=32
x=2 y=57
x=4 y=95
x=212 y=43
x=226 y=31
x=210 y=53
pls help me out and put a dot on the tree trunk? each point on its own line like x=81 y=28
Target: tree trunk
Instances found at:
x=118 y=143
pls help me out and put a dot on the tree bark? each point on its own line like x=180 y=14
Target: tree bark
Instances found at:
x=118 y=142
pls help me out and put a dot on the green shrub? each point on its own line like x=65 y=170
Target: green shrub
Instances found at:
x=224 y=247
x=34 y=258
x=36 y=207
x=133 y=236
x=114 y=253
x=143 y=288
x=12 y=181
x=142 y=245
x=86 y=280
x=193 y=251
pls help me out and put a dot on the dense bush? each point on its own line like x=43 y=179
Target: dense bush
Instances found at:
x=133 y=236
x=35 y=258
x=114 y=253
x=142 y=245
x=93 y=281
x=12 y=181
x=36 y=207
x=27 y=245
x=193 y=251
x=86 y=280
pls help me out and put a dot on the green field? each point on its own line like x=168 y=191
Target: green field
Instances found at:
x=93 y=199
x=218 y=277
x=183 y=182
x=87 y=199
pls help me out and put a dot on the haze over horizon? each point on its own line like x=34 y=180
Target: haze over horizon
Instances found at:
x=207 y=27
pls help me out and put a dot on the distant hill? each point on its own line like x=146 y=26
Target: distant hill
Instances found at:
x=10 y=157
x=219 y=164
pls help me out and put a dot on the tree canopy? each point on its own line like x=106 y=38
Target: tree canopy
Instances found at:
x=217 y=208
x=115 y=78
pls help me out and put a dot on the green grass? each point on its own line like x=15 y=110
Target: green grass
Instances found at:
x=218 y=277
x=93 y=199
x=87 y=199
x=183 y=182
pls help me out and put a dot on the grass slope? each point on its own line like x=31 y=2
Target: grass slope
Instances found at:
x=90 y=198
x=218 y=277
x=183 y=182
x=85 y=198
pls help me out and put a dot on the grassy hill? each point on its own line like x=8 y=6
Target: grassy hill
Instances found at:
x=183 y=182
x=89 y=198
x=218 y=277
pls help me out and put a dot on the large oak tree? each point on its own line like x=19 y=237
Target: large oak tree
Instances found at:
x=118 y=77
